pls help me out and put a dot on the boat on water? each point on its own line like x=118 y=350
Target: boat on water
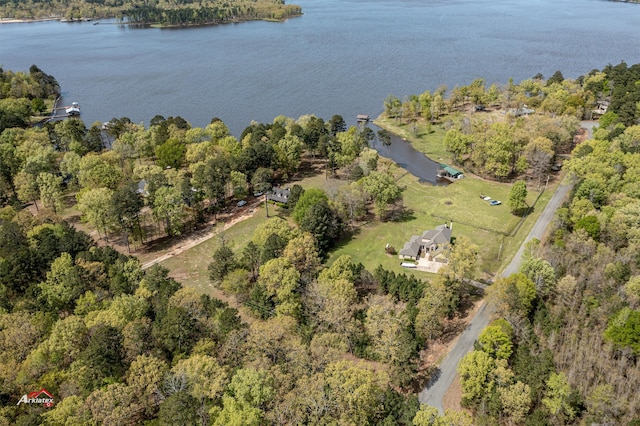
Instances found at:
x=73 y=110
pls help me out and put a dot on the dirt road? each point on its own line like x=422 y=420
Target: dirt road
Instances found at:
x=192 y=242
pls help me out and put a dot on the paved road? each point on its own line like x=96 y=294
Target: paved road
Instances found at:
x=433 y=394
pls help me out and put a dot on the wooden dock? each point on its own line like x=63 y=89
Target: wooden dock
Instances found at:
x=362 y=118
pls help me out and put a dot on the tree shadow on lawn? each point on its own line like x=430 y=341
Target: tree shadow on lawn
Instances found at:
x=347 y=236
x=522 y=214
x=400 y=214
x=309 y=167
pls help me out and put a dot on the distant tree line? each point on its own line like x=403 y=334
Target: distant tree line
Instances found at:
x=180 y=13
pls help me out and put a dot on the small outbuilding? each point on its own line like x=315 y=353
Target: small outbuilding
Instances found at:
x=449 y=173
x=279 y=195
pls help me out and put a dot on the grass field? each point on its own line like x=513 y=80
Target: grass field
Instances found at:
x=489 y=227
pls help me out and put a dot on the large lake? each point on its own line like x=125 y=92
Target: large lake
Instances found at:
x=342 y=57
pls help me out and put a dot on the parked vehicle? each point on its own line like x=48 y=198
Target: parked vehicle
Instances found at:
x=241 y=203
x=495 y=202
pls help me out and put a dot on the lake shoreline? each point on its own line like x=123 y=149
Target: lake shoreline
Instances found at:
x=142 y=24
x=330 y=61
x=26 y=21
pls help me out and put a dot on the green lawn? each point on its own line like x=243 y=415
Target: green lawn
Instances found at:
x=491 y=228
x=428 y=206
x=485 y=225
x=428 y=139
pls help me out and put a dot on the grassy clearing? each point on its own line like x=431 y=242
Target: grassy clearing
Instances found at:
x=485 y=225
x=190 y=267
x=428 y=206
x=428 y=138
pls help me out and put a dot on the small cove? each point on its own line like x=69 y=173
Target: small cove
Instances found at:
x=406 y=156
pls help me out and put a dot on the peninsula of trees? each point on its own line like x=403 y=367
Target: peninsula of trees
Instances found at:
x=25 y=96
x=158 y=12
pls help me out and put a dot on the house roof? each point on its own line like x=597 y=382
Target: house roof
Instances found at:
x=440 y=235
x=412 y=246
x=280 y=195
x=451 y=170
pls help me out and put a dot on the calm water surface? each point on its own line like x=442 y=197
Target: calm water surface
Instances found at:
x=342 y=57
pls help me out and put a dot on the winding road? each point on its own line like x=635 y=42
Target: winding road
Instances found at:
x=433 y=394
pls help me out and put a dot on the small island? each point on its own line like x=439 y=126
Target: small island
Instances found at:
x=154 y=13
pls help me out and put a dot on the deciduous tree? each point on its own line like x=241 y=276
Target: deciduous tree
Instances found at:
x=495 y=342
x=432 y=310
x=50 y=187
x=475 y=375
x=386 y=325
x=205 y=378
x=303 y=254
x=557 y=396
x=513 y=295
x=281 y=281
x=145 y=377
x=383 y=189
x=96 y=206
x=63 y=285
x=518 y=198
x=516 y=401
x=169 y=206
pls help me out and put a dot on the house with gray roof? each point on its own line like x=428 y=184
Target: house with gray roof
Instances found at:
x=279 y=195
x=428 y=245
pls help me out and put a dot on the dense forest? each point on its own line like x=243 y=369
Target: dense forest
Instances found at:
x=317 y=344
x=181 y=13
x=116 y=344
